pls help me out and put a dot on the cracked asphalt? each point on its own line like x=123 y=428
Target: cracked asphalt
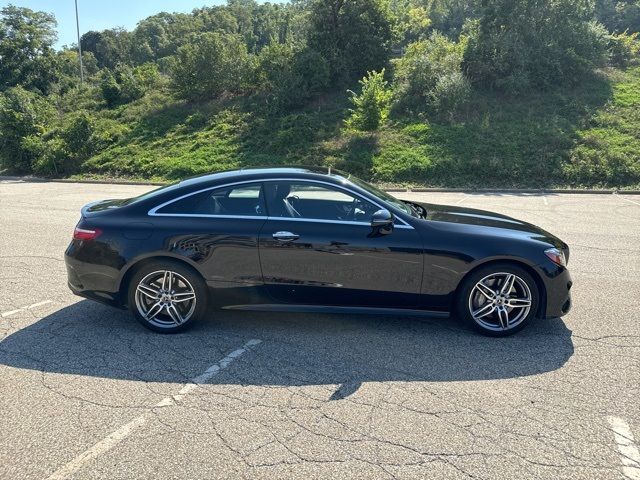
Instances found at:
x=322 y=396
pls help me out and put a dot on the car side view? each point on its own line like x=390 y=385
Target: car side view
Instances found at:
x=305 y=239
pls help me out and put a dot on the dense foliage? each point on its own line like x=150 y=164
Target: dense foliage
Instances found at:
x=439 y=92
x=519 y=45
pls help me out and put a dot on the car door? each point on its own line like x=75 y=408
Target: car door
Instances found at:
x=318 y=247
x=218 y=229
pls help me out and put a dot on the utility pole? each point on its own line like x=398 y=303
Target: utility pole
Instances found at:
x=79 y=47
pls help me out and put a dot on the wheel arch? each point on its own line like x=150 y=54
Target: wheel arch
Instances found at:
x=542 y=290
x=136 y=265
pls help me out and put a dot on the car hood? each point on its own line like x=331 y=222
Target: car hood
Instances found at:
x=482 y=219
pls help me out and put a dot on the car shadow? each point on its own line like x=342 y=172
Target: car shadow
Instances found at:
x=87 y=339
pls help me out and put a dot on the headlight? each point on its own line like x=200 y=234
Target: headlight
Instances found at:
x=556 y=256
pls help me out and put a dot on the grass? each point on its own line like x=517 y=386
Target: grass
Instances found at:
x=588 y=136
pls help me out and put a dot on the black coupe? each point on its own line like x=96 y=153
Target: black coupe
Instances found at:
x=305 y=239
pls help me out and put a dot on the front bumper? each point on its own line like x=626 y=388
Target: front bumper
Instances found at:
x=558 y=293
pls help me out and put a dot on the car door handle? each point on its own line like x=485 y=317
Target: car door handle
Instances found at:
x=285 y=236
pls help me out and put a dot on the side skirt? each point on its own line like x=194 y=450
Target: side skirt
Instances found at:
x=267 y=307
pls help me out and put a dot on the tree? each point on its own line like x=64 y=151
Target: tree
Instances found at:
x=23 y=115
x=210 y=64
x=26 y=53
x=411 y=21
x=354 y=36
x=449 y=16
x=109 y=47
x=516 y=46
x=619 y=15
x=161 y=35
x=371 y=106
x=67 y=69
x=288 y=76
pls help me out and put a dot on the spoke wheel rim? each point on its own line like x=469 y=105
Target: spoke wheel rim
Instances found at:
x=165 y=299
x=500 y=301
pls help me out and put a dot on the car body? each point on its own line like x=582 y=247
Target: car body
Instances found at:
x=309 y=239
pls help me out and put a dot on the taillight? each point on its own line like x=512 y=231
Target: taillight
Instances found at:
x=86 y=234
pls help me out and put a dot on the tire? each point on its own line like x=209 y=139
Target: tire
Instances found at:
x=501 y=314
x=152 y=303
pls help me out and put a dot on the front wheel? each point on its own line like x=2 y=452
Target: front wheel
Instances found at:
x=166 y=296
x=498 y=300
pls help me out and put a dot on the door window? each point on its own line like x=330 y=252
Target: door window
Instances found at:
x=313 y=201
x=236 y=200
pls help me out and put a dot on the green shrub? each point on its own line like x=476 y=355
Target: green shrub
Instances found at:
x=23 y=116
x=110 y=89
x=623 y=48
x=287 y=77
x=67 y=146
x=125 y=84
x=429 y=75
x=210 y=64
x=371 y=106
x=450 y=92
x=309 y=76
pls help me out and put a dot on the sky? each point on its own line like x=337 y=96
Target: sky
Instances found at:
x=101 y=14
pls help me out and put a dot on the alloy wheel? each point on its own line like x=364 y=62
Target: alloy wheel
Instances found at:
x=165 y=299
x=500 y=301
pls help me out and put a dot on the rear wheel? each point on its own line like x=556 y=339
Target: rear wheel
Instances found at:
x=498 y=300
x=166 y=296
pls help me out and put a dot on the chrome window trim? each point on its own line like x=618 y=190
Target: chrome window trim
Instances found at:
x=154 y=211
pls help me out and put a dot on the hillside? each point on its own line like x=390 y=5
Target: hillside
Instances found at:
x=495 y=93
x=585 y=136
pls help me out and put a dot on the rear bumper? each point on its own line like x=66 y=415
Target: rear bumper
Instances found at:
x=558 y=293
x=90 y=281
x=106 y=298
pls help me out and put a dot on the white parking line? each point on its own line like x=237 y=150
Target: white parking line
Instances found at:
x=28 y=307
x=630 y=201
x=629 y=455
x=464 y=197
x=123 y=432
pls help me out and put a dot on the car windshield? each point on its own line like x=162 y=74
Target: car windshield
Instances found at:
x=381 y=194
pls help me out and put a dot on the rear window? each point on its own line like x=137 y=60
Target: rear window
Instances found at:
x=240 y=200
x=152 y=193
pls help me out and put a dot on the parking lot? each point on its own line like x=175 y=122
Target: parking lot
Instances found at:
x=86 y=392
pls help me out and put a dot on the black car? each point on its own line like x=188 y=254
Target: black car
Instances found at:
x=305 y=239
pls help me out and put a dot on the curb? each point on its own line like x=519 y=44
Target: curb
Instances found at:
x=537 y=191
x=79 y=180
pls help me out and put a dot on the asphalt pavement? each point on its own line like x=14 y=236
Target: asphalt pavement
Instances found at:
x=86 y=392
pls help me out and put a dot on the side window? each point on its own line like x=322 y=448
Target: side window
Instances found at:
x=244 y=200
x=316 y=202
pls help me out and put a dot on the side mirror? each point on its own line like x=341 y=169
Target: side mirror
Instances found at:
x=382 y=221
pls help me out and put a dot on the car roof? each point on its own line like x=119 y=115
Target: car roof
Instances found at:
x=206 y=181
x=263 y=172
